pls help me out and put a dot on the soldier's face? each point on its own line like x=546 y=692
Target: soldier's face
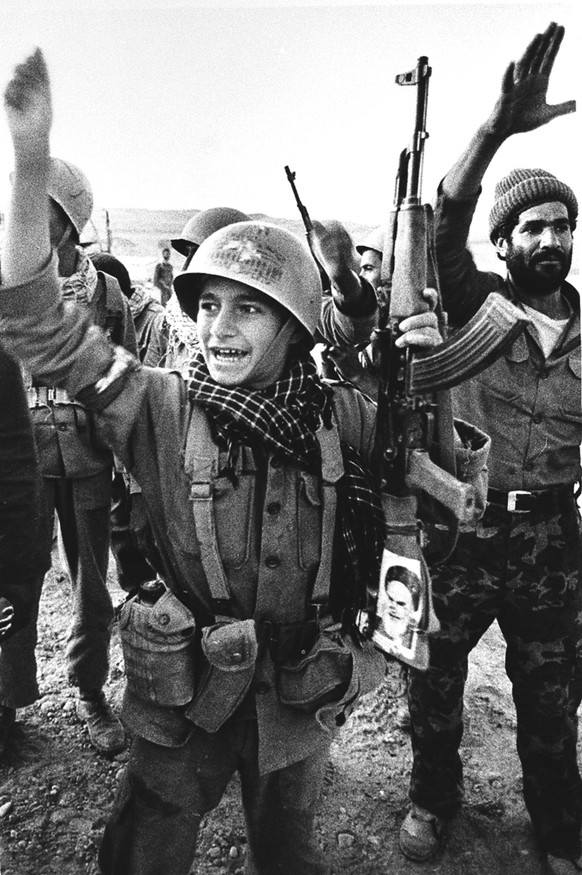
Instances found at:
x=237 y=326
x=538 y=253
x=370 y=264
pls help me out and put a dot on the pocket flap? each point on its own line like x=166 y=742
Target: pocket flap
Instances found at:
x=321 y=676
x=231 y=646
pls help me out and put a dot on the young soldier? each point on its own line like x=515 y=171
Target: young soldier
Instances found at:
x=246 y=661
x=522 y=564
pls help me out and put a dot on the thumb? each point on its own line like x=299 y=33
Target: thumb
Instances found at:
x=564 y=108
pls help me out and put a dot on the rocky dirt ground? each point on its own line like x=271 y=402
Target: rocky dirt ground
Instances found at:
x=56 y=791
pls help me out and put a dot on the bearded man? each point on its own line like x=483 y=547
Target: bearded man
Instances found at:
x=521 y=563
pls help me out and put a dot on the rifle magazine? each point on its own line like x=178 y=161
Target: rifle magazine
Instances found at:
x=470 y=350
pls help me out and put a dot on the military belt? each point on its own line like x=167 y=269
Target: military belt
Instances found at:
x=523 y=501
x=287 y=641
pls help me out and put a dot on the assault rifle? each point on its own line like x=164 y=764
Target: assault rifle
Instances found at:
x=414 y=450
x=308 y=224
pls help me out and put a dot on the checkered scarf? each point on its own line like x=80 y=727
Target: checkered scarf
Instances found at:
x=284 y=417
x=81 y=285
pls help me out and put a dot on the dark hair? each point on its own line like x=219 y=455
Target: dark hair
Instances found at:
x=505 y=229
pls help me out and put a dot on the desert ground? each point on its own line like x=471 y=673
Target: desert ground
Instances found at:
x=56 y=790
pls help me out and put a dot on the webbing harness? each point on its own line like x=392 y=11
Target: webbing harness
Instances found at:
x=201 y=463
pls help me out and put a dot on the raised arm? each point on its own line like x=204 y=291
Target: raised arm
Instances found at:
x=520 y=107
x=27 y=101
x=335 y=251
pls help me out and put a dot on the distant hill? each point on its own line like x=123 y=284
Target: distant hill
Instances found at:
x=141 y=233
x=137 y=236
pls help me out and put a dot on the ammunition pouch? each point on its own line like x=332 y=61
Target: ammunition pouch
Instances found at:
x=230 y=651
x=288 y=641
x=320 y=677
x=157 y=643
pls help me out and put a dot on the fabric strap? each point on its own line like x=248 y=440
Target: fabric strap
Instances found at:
x=201 y=462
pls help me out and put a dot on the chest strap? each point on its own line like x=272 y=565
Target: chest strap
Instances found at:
x=332 y=469
x=201 y=463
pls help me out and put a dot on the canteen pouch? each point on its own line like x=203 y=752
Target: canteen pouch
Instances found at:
x=319 y=678
x=157 y=650
x=230 y=651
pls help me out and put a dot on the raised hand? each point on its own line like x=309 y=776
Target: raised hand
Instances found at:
x=522 y=104
x=27 y=100
x=334 y=249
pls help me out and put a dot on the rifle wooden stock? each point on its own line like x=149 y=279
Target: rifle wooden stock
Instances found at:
x=469 y=350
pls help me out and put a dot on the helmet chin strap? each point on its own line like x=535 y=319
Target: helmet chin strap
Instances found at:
x=276 y=356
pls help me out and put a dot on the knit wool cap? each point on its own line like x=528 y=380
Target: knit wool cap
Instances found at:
x=524 y=188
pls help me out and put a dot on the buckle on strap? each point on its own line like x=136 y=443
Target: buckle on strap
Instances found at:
x=520 y=501
x=200 y=490
x=43 y=396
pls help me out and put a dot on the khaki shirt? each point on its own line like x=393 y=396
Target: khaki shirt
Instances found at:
x=529 y=405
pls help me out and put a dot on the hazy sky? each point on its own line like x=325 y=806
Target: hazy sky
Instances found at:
x=195 y=105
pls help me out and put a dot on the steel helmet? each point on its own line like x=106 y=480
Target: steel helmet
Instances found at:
x=205 y=223
x=265 y=257
x=374 y=240
x=70 y=188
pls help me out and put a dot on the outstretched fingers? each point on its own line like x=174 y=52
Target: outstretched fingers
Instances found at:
x=523 y=66
x=539 y=56
x=508 y=78
x=551 y=50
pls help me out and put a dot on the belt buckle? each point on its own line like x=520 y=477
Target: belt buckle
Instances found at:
x=513 y=498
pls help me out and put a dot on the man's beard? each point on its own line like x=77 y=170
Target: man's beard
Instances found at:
x=534 y=279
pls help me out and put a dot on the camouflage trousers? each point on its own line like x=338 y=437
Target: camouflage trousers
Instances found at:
x=525 y=571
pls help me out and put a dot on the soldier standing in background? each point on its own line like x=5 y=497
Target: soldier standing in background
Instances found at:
x=132 y=541
x=163 y=276
x=77 y=472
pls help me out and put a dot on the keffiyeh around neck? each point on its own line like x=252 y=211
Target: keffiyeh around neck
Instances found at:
x=283 y=416
x=81 y=285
